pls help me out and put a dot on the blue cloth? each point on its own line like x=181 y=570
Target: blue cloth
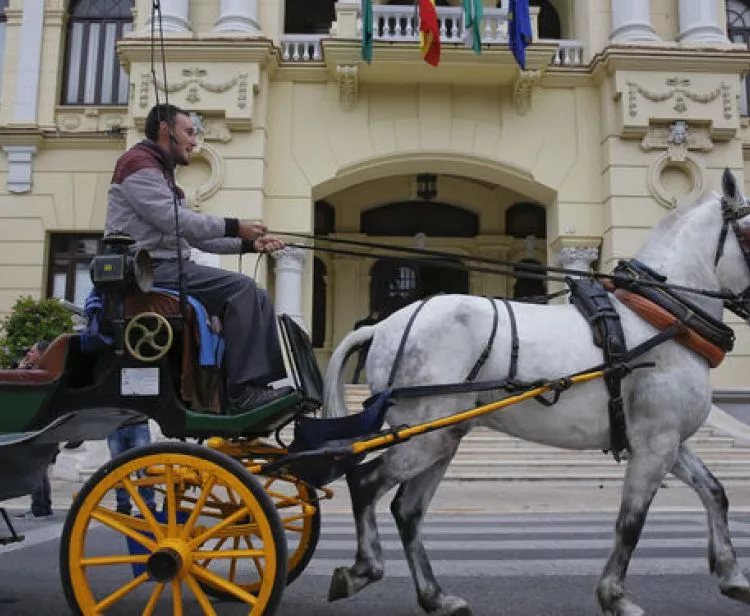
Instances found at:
x=121 y=440
x=211 y=344
x=519 y=30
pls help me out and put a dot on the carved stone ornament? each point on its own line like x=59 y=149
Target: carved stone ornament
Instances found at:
x=91 y=119
x=678 y=88
x=348 y=85
x=577 y=257
x=194 y=80
x=678 y=138
x=197 y=196
x=523 y=89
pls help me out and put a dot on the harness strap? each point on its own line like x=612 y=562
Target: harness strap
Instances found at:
x=514 y=343
x=402 y=344
x=488 y=347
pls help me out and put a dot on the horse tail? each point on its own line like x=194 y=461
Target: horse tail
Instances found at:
x=334 y=404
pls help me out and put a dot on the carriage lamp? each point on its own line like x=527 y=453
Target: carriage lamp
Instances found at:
x=426 y=186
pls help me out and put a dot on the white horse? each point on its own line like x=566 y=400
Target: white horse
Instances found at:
x=664 y=405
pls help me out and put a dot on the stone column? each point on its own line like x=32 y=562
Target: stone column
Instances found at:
x=577 y=257
x=698 y=24
x=631 y=22
x=238 y=17
x=290 y=265
x=174 y=17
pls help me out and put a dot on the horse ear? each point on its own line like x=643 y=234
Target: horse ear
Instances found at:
x=732 y=194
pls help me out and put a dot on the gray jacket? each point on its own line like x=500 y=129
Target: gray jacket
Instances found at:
x=141 y=204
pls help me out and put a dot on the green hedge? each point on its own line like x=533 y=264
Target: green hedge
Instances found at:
x=30 y=321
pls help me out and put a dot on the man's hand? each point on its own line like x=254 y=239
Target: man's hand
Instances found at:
x=268 y=243
x=250 y=230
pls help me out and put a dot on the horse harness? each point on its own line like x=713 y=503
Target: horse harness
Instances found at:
x=641 y=289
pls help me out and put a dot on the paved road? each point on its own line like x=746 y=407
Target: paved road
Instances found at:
x=514 y=565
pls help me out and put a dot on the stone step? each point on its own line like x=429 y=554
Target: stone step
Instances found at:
x=469 y=452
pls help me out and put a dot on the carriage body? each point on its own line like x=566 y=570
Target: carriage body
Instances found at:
x=90 y=383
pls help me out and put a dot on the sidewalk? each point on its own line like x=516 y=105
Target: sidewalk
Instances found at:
x=478 y=497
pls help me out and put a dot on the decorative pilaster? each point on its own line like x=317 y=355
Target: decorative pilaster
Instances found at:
x=29 y=62
x=19 y=167
x=631 y=22
x=698 y=24
x=174 y=17
x=290 y=265
x=577 y=258
x=238 y=17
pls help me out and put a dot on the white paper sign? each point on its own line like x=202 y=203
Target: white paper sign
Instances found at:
x=139 y=382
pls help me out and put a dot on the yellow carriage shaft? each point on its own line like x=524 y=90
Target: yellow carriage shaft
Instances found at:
x=403 y=434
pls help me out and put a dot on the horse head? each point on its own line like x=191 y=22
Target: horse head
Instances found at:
x=732 y=261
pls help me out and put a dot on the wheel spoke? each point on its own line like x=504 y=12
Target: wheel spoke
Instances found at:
x=171 y=501
x=153 y=599
x=235 y=553
x=200 y=596
x=141 y=504
x=109 y=519
x=233 y=564
x=214 y=530
x=120 y=593
x=130 y=559
x=198 y=507
x=222 y=584
x=177 y=597
x=256 y=559
x=221 y=542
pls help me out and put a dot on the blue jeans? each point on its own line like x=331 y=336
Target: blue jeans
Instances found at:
x=121 y=440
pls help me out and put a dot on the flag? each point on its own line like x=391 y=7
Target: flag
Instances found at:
x=473 y=12
x=429 y=32
x=367 y=31
x=519 y=30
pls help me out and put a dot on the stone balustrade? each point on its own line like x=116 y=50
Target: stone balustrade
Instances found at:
x=302 y=47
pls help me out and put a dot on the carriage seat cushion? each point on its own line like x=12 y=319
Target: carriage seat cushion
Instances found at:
x=50 y=366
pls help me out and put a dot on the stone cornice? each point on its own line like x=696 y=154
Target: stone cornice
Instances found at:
x=20 y=134
x=306 y=73
x=260 y=51
x=731 y=59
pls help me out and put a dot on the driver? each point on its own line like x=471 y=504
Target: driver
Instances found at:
x=141 y=203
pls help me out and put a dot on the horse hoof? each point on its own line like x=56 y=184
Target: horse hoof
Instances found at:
x=341 y=585
x=625 y=608
x=738 y=593
x=452 y=606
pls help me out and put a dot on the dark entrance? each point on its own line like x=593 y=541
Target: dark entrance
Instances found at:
x=396 y=283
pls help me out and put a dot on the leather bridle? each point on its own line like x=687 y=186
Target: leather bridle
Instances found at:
x=739 y=304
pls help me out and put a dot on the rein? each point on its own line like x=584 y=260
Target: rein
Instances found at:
x=502 y=267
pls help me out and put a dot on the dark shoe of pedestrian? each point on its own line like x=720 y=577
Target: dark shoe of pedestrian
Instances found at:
x=30 y=515
x=254 y=397
x=123 y=510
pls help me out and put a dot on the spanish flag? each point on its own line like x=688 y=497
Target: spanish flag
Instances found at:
x=429 y=32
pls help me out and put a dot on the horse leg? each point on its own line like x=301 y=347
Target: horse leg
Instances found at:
x=722 y=558
x=408 y=508
x=645 y=472
x=367 y=484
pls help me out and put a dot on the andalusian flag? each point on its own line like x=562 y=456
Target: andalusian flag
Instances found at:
x=473 y=13
x=367 y=31
x=429 y=32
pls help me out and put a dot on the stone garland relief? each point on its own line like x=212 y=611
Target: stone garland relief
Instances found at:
x=678 y=88
x=194 y=80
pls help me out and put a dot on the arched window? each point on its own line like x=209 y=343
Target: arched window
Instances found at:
x=548 y=21
x=319 y=304
x=524 y=219
x=738 y=29
x=93 y=75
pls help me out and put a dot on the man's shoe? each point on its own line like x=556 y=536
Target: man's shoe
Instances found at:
x=254 y=397
x=30 y=515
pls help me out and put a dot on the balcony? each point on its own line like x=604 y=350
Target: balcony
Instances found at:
x=399 y=26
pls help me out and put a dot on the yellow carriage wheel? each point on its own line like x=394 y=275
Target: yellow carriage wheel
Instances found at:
x=152 y=558
x=299 y=513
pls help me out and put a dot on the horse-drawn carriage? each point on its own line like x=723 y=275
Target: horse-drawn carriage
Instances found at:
x=238 y=517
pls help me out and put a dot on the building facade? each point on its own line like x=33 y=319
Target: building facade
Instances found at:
x=625 y=109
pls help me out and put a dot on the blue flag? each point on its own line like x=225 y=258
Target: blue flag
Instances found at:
x=519 y=30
